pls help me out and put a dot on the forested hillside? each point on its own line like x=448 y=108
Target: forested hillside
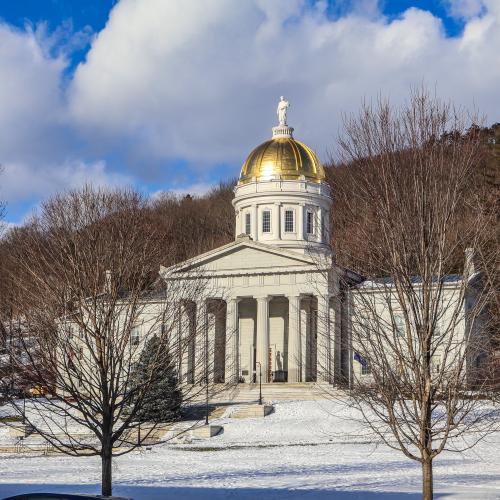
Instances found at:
x=190 y=225
x=342 y=178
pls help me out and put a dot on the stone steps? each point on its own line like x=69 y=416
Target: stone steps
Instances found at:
x=251 y=411
x=206 y=431
x=249 y=393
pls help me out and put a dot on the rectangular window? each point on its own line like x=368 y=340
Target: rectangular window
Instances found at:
x=135 y=336
x=399 y=325
x=288 y=221
x=363 y=326
x=310 y=223
x=437 y=330
x=365 y=368
x=436 y=363
x=248 y=225
x=266 y=221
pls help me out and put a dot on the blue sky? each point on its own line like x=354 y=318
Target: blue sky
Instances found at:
x=173 y=95
x=77 y=15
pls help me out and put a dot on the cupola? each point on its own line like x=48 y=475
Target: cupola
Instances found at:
x=281 y=197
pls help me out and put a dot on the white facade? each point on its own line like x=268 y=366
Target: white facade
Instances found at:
x=278 y=307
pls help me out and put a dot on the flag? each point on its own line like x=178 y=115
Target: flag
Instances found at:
x=359 y=358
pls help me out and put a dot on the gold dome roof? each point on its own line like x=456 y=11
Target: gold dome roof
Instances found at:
x=282 y=158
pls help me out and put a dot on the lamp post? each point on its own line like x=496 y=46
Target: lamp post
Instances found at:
x=260 y=381
x=24 y=405
x=206 y=402
x=206 y=375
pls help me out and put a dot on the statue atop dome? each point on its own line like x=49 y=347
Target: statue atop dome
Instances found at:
x=282 y=111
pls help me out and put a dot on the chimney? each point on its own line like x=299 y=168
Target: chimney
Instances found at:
x=107 y=282
x=469 y=268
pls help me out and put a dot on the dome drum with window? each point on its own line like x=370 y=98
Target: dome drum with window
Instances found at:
x=281 y=197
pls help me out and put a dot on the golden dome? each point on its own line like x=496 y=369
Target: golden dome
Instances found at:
x=282 y=158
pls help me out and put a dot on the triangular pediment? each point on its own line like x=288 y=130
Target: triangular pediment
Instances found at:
x=245 y=256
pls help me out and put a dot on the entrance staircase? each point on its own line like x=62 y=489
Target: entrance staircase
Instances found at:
x=249 y=393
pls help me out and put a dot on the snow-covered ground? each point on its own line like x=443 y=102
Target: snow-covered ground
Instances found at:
x=304 y=450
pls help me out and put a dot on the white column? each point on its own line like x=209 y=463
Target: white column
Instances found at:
x=323 y=372
x=237 y=226
x=277 y=221
x=263 y=337
x=321 y=225
x=294 y=340
x=179 y=339
x=183 y=340
x=336 y=338
x=304 y=328
x=211 y=326
x=300 y=221
x=232 y=372
x=255 y=223
x=191 y=313
x=200 y=351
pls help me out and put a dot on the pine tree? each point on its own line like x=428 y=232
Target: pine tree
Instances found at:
x=162 y=402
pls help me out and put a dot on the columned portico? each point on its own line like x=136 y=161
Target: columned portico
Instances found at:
x=288 y=335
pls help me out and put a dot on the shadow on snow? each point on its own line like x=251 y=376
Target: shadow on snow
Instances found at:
x=191 y=493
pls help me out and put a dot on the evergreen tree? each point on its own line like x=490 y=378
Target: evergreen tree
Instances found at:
x=162 y=402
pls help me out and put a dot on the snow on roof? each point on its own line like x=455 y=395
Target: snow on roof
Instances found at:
x=416 y=280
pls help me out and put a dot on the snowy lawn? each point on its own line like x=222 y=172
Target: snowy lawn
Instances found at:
x=306 y=450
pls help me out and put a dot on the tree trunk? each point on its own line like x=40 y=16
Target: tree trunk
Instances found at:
x=106 y=485
x=427 y=481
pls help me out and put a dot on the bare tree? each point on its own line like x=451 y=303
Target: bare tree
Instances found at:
x=90 y=297
x=2 y=209
x=416 y=345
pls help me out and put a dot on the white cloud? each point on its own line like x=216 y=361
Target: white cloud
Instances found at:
x=38 y=146
x=200 y=79
x=465 y=9
x=31 y=103
x=23 y=181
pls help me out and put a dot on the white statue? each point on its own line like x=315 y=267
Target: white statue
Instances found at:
x=282 y=110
